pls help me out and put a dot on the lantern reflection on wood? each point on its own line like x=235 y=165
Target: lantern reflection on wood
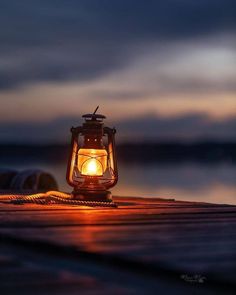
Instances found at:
x=92 y=166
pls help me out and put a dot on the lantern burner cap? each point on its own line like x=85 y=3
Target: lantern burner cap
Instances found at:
x=94 y=116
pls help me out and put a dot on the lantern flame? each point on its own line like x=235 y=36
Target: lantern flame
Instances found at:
x=92 y=167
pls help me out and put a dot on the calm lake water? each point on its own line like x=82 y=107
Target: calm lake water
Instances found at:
x=188 y=181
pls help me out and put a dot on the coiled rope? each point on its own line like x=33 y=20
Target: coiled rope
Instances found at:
x=51 y=197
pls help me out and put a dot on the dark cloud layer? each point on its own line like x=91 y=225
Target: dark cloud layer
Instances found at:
x=185 y=127
x=82 y=40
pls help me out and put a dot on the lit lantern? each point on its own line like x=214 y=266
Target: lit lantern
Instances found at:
x=92 y=166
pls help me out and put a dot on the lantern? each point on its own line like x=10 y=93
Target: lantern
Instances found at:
x=92 y=166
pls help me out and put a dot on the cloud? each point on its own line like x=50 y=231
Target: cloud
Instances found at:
x=185 y=69
x=83 y=40
x=186 y=127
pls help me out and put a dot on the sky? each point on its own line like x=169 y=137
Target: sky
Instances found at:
x=159 y=70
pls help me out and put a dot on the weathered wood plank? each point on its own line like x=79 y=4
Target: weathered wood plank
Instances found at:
x=156 y=234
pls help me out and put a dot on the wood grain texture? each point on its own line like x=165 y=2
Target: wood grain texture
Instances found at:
x=142 y=245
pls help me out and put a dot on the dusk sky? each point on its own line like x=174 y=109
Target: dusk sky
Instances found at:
x=158 y=69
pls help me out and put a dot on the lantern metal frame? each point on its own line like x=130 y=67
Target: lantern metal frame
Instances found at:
x=92 y=134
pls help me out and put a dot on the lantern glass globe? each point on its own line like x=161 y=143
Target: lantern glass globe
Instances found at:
x=92 y=162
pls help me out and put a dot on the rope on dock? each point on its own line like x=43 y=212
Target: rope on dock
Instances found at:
x=51 y=197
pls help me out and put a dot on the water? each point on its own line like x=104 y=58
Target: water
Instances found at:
x=214 y=183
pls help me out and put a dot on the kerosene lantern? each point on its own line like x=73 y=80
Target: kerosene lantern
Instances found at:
x=92 y=165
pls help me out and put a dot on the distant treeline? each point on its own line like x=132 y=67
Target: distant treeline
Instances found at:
x=129 y=152
x=178 y=152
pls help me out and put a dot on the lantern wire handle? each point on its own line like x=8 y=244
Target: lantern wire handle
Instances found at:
x=95 y=110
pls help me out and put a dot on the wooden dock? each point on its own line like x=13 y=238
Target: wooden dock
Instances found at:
x=145 y=246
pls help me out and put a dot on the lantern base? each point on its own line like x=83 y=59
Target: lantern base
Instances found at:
x=99 y=196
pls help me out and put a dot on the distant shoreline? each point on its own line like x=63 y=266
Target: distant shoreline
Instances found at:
x=173 y=152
